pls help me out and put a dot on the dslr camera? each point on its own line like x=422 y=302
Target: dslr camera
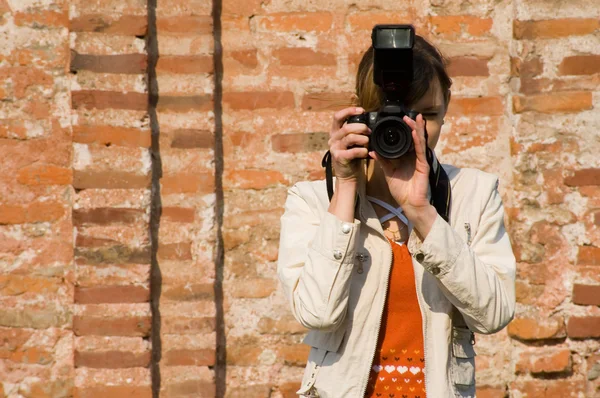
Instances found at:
x=393 y=72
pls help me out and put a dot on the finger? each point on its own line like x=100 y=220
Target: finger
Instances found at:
x=339 y=118
x=419 y=147
x=355 y=140
x=352 y=128
x=355 y=153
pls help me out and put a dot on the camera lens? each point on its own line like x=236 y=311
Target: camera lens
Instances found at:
x=392 y=138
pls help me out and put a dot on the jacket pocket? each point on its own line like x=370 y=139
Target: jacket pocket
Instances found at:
x=315 y=360
x=463 y=360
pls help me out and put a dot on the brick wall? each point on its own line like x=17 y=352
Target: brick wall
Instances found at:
x=145 y=169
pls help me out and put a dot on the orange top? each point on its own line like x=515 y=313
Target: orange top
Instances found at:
x=399 y=363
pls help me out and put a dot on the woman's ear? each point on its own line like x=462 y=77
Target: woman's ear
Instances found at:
x=448 y=96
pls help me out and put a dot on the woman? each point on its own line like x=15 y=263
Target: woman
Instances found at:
x=390 y=291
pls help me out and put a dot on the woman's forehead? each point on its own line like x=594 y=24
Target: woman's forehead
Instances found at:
x=433 y=98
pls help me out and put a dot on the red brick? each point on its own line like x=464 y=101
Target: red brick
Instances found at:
x=468 y=66
x=549 y=388
x=243 y=355
x=280 y=326
x=248 y=58
x=545 y=362
x=303 y=57
x=30 y=356
x=198 y=103
x=575 y=83
x=117 y=254
x=252 y=288
x=188 y=64
x=189 y=388
x=454 y=25
x=563 y=102
x=187 y=325
x=253 y=179
x=106 y=216
x=15 y=285
x=188 y=24
x=491 y=392
x=111 y=294
x=96 y=391
x=186 y=291
x=253 y=218
x=87 y=241
x=187 y=357
x=365 y=20
x=583 y=327
x=292 y=22
x=112 y=135
x=128 y=25
x=95 y=326
x=201 y=183
x=109 y=180
x=45 y=174
x=43 y=317
x=259 y=100
x=121 y=63
x=588 y=255
x=526 y=68
x=178 y=214
x=109 y=100
x=247 y=7
x=175 y=251
x=31 y=213
x=191 y=138
x=38 y=18
x=293 y=355
x=580 y=65
x=300 y=142
x=111 y=359
x=583 y=177
x=554 y=28
x=537 y=329
x=489 y=106
x=475 y=131
x=586 y=294
x=327 y=101
x=288 y=390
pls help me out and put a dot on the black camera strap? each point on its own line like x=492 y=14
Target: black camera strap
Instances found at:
x=438 y=181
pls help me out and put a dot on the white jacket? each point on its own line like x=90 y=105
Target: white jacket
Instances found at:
x=335 y=276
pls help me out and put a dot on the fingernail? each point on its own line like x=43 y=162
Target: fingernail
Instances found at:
x=359 y=110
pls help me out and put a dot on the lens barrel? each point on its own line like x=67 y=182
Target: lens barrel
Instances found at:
x=392 y=137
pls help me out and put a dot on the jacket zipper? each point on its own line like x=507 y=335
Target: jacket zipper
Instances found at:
x=424 y=316
x=387 y=282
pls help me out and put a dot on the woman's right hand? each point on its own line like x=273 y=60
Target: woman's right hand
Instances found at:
x=348 y=143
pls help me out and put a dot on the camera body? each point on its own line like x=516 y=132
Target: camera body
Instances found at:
x=393 y=72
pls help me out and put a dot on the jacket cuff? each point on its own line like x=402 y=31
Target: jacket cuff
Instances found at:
x=336 y=239
x=440 y=249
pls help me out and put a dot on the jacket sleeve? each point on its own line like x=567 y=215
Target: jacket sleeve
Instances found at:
x=316 y=258
x=479 y=279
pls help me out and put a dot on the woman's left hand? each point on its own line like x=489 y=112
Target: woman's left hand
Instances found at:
x=408 y=178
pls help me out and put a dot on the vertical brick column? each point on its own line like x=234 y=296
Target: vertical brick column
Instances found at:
x=111 y=203
x=36 y=240
x=186 y=236
x=556 y=234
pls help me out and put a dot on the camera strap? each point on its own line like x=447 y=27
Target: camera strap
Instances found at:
x=438 y=182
